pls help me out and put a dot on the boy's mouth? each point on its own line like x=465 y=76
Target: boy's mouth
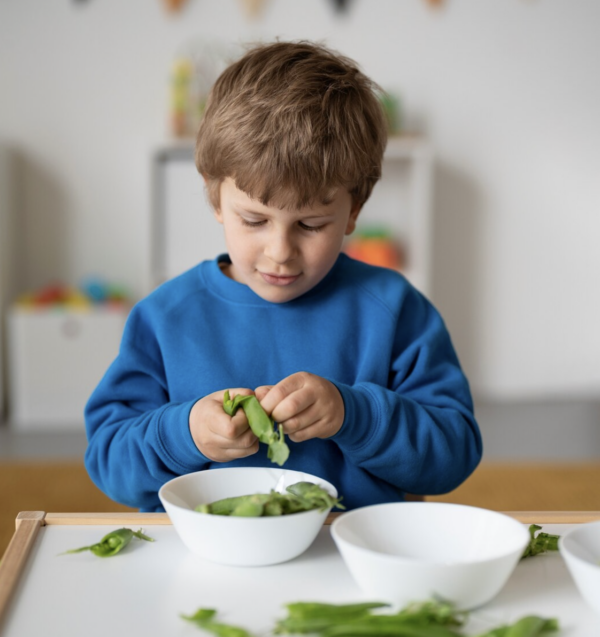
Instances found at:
x=276 y=279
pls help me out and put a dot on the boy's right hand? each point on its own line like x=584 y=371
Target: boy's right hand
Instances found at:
x=218 y=436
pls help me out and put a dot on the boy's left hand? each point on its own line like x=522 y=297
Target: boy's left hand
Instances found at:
x=307 y=406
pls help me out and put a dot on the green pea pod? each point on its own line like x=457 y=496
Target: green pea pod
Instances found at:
x=532 y=626
x=497 y=632
x=222 y=507
x=315 y=617
x=201 y=615
x=368 y=628
x=112 y=543
x=203 y=508
x=419 y=619
x=227 y=506
x=273 y=508
x=203 y=618
x=541 y=543
x=261 y=424
x=312 y=496
x=433 y=612
x=320 y=609
x=230 y=405
x=278 y=451
x=248 y=509
x=529 y=626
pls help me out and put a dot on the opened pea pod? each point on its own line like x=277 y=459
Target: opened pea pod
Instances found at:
x=112 y=543
x=261 y=423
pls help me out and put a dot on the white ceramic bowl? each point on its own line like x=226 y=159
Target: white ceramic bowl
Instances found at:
x=240 y=541
x=580 y=548
x=413 y=551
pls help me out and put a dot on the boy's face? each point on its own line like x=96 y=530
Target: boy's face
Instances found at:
x=280 y=253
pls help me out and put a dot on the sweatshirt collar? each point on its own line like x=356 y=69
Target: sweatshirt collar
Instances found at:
x=221 y=285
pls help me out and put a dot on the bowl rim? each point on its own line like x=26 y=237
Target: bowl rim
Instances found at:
x=253 y=520
x=400 y=559
x=567 y=554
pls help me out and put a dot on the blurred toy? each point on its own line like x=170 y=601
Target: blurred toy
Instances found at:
x=197 y=65
x=174 y=5
x=181 y=81
x=93 y=291
x=376 y=246
x=100 y=291
x=391 y=108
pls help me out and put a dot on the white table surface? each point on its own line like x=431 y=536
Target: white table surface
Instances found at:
x=143 y=590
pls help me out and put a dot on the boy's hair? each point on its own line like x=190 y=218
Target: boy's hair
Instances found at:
x=290 y=122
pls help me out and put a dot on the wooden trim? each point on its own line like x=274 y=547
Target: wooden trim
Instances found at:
x=531 y=517
x=554 y=517
x=86 y=519
x=123 y=518
x=27 y=524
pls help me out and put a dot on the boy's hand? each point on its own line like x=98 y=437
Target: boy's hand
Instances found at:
x=218 y=436
x=307 y=406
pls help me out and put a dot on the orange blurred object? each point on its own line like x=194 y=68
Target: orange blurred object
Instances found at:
x=174 y=5
x=376 y=247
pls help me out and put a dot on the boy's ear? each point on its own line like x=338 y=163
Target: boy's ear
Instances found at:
x=354 y=212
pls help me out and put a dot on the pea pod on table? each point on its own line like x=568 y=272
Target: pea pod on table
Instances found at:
x=528 y=626
x=540 y=543
x=261 y=423
x=203 y=618
x=112 y=543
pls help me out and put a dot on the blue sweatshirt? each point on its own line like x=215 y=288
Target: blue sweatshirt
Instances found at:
x=408 y=413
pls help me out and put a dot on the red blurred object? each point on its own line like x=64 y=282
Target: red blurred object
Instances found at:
x=53 y=293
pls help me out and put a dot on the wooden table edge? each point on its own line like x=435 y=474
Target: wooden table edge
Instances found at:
x=28 y=524
x=531 y=517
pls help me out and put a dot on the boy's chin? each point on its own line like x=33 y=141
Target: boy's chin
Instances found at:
x=278 y=294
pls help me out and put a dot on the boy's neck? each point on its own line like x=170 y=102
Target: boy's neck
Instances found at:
x=225 y=267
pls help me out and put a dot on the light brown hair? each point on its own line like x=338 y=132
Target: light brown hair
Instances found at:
x=289 y=122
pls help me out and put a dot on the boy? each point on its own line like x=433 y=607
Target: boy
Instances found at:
x=354 y=363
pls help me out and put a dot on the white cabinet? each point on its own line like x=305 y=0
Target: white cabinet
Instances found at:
x=185 y=232
x=56 y=358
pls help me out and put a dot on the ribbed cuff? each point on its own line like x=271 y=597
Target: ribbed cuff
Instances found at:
x=176 y=440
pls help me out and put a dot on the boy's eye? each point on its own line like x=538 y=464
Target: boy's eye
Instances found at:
x=252 y=224
x=310 y=228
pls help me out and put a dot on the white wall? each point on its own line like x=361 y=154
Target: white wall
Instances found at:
x=507 y=90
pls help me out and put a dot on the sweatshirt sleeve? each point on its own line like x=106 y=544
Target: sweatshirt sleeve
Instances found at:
x=137 y=438
x=419 y=433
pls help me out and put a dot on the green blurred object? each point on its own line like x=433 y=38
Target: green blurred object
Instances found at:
x=391 y=108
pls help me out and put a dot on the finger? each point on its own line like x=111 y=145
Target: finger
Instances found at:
x=233 y=392
x=294 y=407
x=225 y=454
x=282 y=390
x=299 y=421
x=262 y=391
x=230 y=435
x=231 y=427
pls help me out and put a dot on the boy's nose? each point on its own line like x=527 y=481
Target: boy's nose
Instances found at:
x=280 y=248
